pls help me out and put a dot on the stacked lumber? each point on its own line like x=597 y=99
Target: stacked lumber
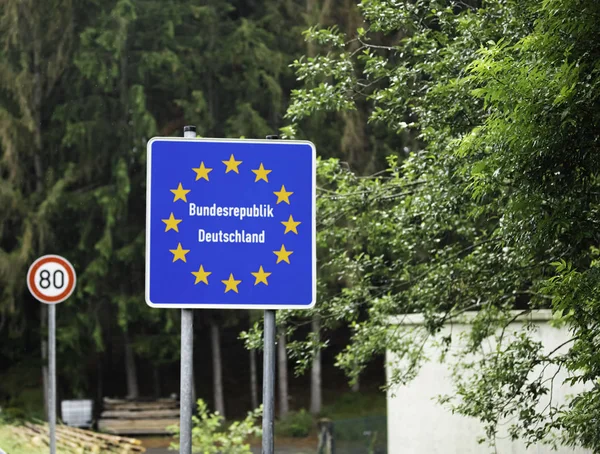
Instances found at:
x=77 y=441
x=121 y=416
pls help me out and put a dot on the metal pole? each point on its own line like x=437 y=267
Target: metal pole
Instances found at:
x=52 y=373
x=187 y=367
x=268 y=446
x=185 y=402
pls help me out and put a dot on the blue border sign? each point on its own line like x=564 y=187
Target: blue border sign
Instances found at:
x=230 y=224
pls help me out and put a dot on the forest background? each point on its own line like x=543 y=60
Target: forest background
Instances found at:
x=458 y=172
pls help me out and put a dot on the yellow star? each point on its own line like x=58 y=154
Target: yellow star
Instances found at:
x=179 y=253
x=201 y=275
x=261 y=173
x=201 y=172
x=180 y=193
x=232 y=164
x=261 y=276
x=231 y=284
x=291 y=225
x=283 y=195
x=283 y=255
x=172 y=223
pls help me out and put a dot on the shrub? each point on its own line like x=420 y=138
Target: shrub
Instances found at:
x=295 y=424
x=209 y=436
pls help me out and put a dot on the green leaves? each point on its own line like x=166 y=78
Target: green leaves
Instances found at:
x=500 y=182
x=330 y=36
x=210 y=437
x=84 y=86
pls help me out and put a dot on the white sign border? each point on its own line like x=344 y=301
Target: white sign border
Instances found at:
x=231 y=306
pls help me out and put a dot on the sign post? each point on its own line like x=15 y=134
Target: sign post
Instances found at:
x=186 y=367
x=268 y=422
x=51 y=280
x=230 y=224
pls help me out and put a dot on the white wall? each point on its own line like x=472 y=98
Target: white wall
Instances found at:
x=417 y=424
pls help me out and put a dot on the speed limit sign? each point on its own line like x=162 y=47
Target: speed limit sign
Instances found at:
x=51 y=279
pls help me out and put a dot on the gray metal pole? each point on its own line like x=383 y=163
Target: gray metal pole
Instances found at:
x=268 y=446
x=185 y=402
x=187 y=364
x=268 y=443
x=52 y=374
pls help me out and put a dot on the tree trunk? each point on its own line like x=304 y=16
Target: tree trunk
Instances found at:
x=156 y=381
x=217 y=369
x=284 y=406
x=356 y=385
x=253 y=379
x=99 y=378
x=37 y=109
x=194 y=398
x=130 y=369
x=316 y=399
x=44 y=338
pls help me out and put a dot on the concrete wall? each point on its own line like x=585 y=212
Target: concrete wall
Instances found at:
x=417 y=424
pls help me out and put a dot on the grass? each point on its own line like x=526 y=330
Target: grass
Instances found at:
x=347 y=406
x=295 y=424
x=12 y=444
x=21 y=396
x=351 y=412
x=360 y=420
x=352 y=405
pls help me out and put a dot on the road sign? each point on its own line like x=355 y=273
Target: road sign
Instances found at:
x=51 y=279
x=230 y=224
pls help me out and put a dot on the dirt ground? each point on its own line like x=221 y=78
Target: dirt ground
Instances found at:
x=159 y=445
x=255 y=450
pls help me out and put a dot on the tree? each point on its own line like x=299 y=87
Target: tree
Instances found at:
x=282 y=372
x=154 y=78
x=316 y=398
x=493 y=94
x=116 y=73
x=253 y=378
x=133 y=391
x=253 y=319
x=215 y=342
x=32 y=62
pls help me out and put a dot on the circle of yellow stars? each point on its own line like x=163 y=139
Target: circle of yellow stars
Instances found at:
x=203 y=173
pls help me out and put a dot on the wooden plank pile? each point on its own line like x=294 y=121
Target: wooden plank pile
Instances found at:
x=72 y=440
x=135 y=417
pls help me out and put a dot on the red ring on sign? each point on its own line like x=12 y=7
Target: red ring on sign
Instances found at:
x=36 y=266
